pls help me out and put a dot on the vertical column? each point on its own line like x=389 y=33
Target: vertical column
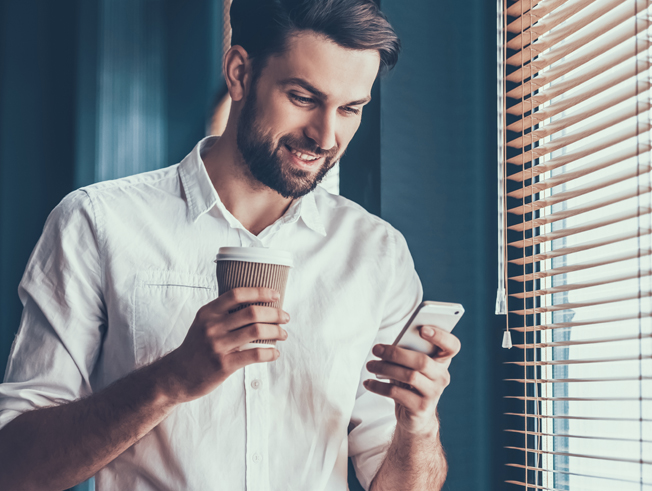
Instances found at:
x=37 y=136
x=131 y=78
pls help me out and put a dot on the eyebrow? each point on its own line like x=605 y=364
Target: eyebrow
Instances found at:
x=316 y=92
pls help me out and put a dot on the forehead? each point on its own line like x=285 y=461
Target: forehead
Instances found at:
x=338 y=72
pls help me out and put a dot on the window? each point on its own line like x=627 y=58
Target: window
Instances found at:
x=578 y=227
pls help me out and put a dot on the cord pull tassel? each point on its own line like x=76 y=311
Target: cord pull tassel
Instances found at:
x=507 y=340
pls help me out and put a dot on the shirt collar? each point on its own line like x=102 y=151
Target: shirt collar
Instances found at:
x=197 y=186
x=310 y=213
x=201 y=195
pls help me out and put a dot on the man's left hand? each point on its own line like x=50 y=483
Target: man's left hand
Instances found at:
x=418 y=379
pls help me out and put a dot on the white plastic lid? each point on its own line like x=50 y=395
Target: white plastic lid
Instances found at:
x=255 y=255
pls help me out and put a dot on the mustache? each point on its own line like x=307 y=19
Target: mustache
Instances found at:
x=306 y=145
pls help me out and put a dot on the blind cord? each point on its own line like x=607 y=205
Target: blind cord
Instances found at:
x=501 y=294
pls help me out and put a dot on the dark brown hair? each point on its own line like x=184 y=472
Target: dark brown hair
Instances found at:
x=262 y=27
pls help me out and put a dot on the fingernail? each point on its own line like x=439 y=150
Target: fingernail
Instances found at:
x=286 y=317
x=378 y=350
x=427 y=331
x=276 y=295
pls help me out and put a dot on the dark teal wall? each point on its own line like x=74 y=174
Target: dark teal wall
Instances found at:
x=194 y=70
x=50 y=65
x=360 y=165
x=438 y=187
x=37 y=144
x=49 y=96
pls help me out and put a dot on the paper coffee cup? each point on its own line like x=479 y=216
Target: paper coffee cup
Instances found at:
x=253 y=267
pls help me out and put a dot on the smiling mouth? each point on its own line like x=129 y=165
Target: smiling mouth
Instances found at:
x=305 y=157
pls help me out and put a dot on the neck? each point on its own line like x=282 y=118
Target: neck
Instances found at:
x=253 y=204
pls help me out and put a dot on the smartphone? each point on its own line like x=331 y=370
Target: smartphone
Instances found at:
x=438 y=314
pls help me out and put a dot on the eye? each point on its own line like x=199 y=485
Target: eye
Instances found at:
x=301 y=100
x=351 y=111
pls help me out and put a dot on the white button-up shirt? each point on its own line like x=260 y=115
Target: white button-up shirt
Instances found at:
x=115 y=282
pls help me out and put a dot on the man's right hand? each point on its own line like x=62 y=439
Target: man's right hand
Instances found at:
x=209 y=353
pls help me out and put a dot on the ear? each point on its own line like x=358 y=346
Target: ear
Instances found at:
x=237 y=72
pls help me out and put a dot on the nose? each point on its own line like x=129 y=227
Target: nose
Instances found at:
x=322 y=129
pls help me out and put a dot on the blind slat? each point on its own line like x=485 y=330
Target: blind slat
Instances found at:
x=529 y=17
x=585 y=227
x=637 y=127
x=522 y=6
x=579 y=399
x=640 y=191
x=595 y=165
x=607 y=51
x=576 y=380
x=579 y=342
x=604 y=82
x=579 y=286
x=579 y=305
x=557 y=471
x=560 y=124
x=585 y=246
x=579 y=418
x=582 y=456
x=616 y=258
x=573 y=362
x=570 y=8
x=568 y=325
x=575 y=35
x=530 y=485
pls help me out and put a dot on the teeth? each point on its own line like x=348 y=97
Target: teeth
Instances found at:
x=303 y=156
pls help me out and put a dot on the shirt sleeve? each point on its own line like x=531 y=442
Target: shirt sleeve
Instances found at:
x=373 y=419
x=63 y=317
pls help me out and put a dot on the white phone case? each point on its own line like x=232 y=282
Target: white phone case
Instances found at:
x=439 y=314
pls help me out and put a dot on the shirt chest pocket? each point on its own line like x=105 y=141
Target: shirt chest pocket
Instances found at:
x=165 y=304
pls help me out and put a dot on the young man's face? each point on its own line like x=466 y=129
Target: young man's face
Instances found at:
x=305 y=107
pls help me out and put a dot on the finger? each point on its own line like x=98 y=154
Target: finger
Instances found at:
x=417 y=380
x=254 y=314
x=404 y=396
x=232 y=299
x=234 y=339
x=238 y=359
x=406 y=358
x=448 y=344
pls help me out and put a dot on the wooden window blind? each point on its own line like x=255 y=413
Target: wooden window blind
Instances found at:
x=576 y=154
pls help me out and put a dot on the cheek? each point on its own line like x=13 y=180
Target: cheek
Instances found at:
x=347 y=131
x=282 y=116
x=287 y=121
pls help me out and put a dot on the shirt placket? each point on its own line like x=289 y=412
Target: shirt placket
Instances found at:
x=257 y=397
x=257 y=410
x=257 y=432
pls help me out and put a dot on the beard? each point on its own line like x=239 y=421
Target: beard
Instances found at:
x=263 y=158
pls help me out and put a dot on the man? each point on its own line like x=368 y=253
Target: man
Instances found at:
x=126 y=365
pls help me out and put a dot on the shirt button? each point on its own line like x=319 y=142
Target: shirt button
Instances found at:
x=256 y=458
x=255 y=384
